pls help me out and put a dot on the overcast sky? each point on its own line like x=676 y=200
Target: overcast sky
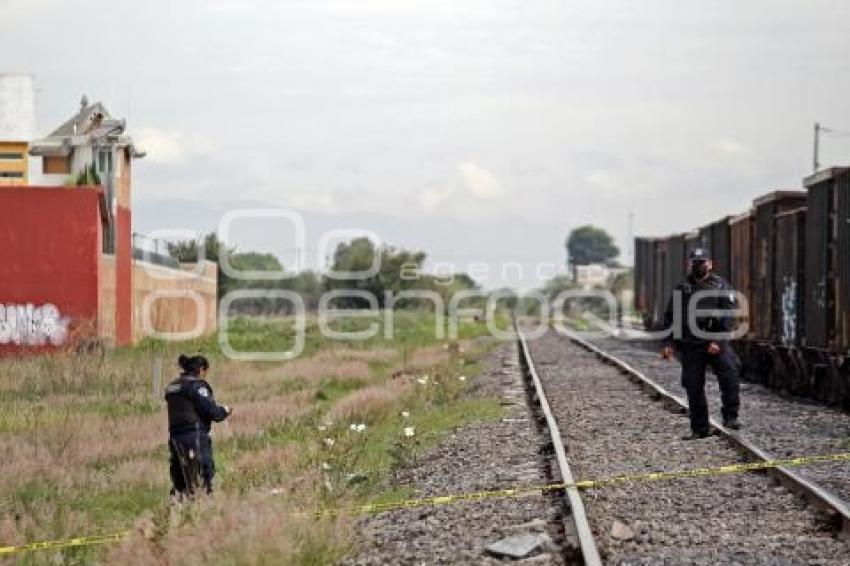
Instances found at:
x=476 y=130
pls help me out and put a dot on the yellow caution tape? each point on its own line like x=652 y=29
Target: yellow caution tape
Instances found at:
x=67 y=543
x=474 y=496
x=595 y=484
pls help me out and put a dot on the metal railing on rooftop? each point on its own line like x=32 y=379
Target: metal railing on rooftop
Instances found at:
x=153 y=251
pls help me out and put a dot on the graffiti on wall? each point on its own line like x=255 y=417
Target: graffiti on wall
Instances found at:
x=31 y=325
x=789 y=311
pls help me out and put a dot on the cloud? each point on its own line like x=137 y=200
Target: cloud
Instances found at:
x=599 y=178
x=432 y=198
x=471 y=188
x=726 y=146
x=478 y=181
x=170 y=147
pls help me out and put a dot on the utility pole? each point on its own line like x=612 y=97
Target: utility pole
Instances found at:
x=815 y=163
x=630 y=236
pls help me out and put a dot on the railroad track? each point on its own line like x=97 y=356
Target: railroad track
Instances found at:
x=777 y=423
x=576 y=525
x=609 y=428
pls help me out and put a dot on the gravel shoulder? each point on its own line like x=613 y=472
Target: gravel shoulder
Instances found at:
x=611 y=428
x=479 y=457
x=784 y=426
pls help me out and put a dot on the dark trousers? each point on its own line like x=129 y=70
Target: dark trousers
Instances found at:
x=726 y=366
x=191 y=462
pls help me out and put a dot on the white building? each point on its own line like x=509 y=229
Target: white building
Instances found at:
x=17 y=129
x=596 y=275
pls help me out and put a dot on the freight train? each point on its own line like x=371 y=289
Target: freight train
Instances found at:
x=790 y=255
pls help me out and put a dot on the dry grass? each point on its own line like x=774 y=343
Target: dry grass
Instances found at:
x=256 y=416
x=369 y=404
x=83 y=450
x=342 y=365
x=71 y=373
x=253 y=529
x=339 y=364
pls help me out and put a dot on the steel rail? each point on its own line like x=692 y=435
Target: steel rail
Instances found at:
x=587 y=543
x=812 y=492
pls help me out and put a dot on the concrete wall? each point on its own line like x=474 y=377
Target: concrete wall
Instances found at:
x=50 y=247
x=173 y=311
x=57 y=287
x=17 y=121
x=17 y=108
x=106 y=299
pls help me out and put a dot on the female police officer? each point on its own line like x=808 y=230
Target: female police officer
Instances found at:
x=191 y=411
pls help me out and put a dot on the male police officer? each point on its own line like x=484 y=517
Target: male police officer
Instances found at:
x=696 y=352
x=191 y=411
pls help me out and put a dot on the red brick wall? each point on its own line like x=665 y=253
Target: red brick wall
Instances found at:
x=50 y=246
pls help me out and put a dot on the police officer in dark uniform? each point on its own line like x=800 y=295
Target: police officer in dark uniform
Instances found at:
x=191 y=411
x=695 y=352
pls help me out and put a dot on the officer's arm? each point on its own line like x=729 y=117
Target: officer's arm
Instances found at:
x=206 y=405
x=668 y=318
x=728 y=304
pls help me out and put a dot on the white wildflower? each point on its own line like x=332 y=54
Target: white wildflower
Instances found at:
x=329 y=441
x=409 y=431
x=405 y=414
x=276 y=491
x=422 y=380
x=360 y=428
x=353 y=427
x=323 y=427
x=461 y=378
x=326 y=466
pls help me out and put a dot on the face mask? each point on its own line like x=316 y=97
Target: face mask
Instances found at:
x=699 y=270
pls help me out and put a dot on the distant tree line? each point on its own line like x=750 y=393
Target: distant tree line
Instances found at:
x=398 y=270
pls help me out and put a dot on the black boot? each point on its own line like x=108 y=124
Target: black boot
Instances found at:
x=697 y=435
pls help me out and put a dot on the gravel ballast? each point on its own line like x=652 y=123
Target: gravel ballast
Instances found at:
x=611 y=428
x=479 y=457
x=784 y=426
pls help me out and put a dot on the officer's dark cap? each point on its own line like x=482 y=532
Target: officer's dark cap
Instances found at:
x=699 y=254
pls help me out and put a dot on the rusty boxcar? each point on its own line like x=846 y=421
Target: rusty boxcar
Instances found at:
x=715 y=238
x=645 y=286
x=741 y=235
x=789 y=281
x=827 y=287
x=763 y=264
x=790 y=255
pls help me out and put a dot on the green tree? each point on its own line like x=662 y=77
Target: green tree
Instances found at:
x=589 y=244
x=395 y=273
x=188 y=251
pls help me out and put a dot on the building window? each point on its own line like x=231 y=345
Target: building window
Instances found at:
x=11 y=175
x=104 y=161
x=56 y=165
x=11 y=156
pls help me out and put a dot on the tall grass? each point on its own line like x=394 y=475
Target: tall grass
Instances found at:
x=83 y=445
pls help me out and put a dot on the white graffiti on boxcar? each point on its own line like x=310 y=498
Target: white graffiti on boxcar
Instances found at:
x=789 y=311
